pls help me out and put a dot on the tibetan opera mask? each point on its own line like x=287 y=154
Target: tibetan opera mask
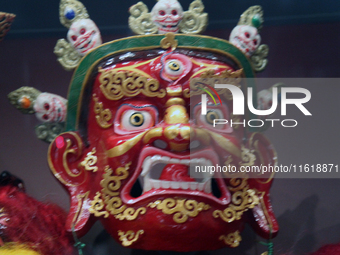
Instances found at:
x=134 y=128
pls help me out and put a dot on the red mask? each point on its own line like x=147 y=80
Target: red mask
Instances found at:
x=134 y=128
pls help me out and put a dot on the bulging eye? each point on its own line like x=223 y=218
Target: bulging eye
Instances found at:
x=82 y=31
x=212 y=115
x=161 y=12
x=74 y=38
x=133 y=120
x=255 y=42
x=174 y=12
x=246 y=34
x=174 y=68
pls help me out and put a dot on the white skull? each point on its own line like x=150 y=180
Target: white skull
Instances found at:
x=264 y=99
x=167 y=14
x=246 y=38
x=84 y=35
x=50 y=108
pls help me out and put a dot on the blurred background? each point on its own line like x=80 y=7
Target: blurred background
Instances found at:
x=304 y=39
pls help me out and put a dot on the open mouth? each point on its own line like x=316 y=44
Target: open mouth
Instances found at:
x=87 y=42
x=241 y=44
x=161 y=172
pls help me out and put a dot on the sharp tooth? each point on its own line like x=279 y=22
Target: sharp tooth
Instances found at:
x=174 y=185
x=207 y=186
x=174 y=161
x=147 y=184
x=193 y=185
x=146 y=166
x=185 y=161
x=165 y=184
x=200 y=186
x=185 y=185
x=156 y=184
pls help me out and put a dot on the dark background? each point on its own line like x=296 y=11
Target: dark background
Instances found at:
x=304 y=39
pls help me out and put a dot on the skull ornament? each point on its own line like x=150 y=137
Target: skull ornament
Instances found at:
x=84 y=35
x=50 y=108
x=167 y=14
x=133 y=131
x=246 y=38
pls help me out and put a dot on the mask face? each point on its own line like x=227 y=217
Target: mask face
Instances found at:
x=139 y=133
x=84 y=35
x=50 y=108
x=167 y=14
x=246 y=38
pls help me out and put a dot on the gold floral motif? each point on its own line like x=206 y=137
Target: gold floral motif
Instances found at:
x=77 y=6
x=198 y=84
x=89 y=162
x=129 y=237
x=28 y=93
x=102 y=116
x=117 y=84
x=181 y=208
x=97 y=205
x=111 y=185
x=259 y=58
x=241 y=201
x=224 y=74
x=68 y=56
x=169 y=41
x=140 y=20
x=248 y=156
x=253 y=12
x=232 y=239
x=194 y=20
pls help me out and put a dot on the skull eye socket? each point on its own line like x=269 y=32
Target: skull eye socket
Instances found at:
x=246 y=34
x=174 y=12
x=82 y=31
x=161 y=12
x=45 y=117
x=74 y=38
x=255 y=42
x=46 y=106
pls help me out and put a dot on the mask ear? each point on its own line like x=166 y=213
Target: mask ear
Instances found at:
x=263 y=220
x=64 y=156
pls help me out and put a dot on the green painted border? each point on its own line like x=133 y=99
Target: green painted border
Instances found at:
x=143 y=42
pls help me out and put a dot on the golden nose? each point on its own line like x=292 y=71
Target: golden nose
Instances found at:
x=176 y=114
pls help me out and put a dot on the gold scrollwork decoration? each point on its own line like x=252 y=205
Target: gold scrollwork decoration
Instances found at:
x=140 y=20
x=259 y=58
x=241 y=201
x=232 y=239
x=117 y=84
x=182 y=209
x=169 y=41
x=97 y=205
x=102 y=116
x=194 y=20
x=89 y=162
x=67 y=55
x=111 y=185
x=209 y=78
x=129 y=237
x=248 y=156
x=79 y=9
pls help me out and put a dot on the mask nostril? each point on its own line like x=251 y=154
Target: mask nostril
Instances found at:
x=160 y=144
x=194 y=144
